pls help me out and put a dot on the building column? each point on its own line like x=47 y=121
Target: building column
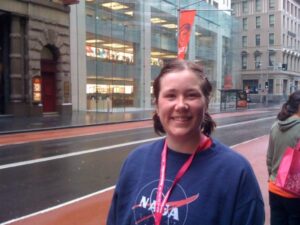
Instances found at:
x=142 y=59
x=16 y=63
x=78 y=56
x=192 y=44
x=218 y=76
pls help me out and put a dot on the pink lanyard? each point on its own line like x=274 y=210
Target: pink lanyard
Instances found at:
x=160 y=204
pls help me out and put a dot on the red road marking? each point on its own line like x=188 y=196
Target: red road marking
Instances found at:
x=69 y=132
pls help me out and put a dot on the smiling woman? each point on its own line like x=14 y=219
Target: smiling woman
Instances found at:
x=178 y=179
x=181 y=106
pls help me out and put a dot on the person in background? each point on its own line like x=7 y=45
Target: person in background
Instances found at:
x=284 y=206
x=186 y=177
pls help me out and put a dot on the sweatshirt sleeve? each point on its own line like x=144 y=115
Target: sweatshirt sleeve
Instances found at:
x=270 y=153
x=250 y=213
x=111 y=218
x=249 y=209
x=114 y=211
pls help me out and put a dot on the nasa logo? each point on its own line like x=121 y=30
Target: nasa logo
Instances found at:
x=175 y=211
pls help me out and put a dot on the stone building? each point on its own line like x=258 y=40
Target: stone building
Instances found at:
x=35 y=74
x=270 y=47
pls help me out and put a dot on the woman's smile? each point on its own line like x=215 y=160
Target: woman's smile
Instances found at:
x=181 y=118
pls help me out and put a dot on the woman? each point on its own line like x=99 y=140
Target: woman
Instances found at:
x=186 y=177
x=285 y=207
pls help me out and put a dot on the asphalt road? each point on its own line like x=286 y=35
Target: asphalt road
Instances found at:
x=41 y=174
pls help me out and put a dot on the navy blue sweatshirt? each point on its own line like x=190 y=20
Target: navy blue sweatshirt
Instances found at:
x=219 y=188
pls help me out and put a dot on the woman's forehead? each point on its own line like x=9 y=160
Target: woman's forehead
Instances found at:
x=182 y=77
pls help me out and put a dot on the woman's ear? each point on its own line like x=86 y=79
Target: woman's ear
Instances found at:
x=154 y=102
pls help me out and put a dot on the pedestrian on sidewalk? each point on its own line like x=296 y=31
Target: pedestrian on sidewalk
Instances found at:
x=187 y=177
x=284 y=206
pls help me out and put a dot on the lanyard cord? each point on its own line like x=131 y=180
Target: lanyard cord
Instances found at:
x=160 y=204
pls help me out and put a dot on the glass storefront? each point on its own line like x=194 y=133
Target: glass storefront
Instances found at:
x=127 y=43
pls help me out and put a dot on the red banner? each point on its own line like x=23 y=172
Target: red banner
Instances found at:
x=186 y=21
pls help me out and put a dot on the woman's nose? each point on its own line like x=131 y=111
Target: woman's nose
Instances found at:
x=181 y=103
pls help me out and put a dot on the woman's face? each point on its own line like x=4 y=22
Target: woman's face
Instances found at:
x=181 y=104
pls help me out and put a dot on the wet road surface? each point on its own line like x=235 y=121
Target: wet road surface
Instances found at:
x=45 y=169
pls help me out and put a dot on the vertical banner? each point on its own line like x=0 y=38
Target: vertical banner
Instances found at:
x=186 y=21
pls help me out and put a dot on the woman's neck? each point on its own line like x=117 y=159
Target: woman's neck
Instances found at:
x=296 y=115
x=187 y=145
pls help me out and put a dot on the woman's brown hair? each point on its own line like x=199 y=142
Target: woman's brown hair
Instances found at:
x=290 y=107
x=208 y=124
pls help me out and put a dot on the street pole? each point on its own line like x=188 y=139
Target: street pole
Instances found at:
x=267 y=88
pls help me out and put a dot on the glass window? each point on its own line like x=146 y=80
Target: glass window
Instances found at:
x=257 y=40
x=251 y=86
x=258 y=5
x=271 y=21
x=271 y=4
x=244 y=62
x=233 y=7
x=271 y=59
x=244 y=41
x=271 y=39
x=245 y=6
x=122 y=63
x=257 y=62
x=245 y=24
x=270 y=86
x=258 y=22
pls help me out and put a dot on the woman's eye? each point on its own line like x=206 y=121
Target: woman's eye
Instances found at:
x=169 y=96
x=193 y=95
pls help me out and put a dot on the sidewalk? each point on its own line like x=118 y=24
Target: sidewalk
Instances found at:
x=10 y=124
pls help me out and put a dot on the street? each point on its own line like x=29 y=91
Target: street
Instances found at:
x=37 y=174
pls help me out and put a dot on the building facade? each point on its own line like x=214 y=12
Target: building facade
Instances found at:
x=220 y=4
x=122 y=45
x=35 y=74
x=270 y=47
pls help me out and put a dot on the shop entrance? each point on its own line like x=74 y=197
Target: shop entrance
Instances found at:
x=48 y=71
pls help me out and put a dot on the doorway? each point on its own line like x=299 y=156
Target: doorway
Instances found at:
x=48 y=72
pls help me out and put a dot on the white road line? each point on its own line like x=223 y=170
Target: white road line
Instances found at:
x=247 y=122
x=59 y=206
x=28 y=162
x=246 y=142
x=23 y=163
